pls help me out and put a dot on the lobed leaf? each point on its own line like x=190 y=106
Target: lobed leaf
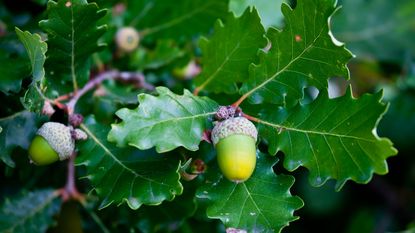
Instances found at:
x=127 y=175
x=32 y=212
x=166 y=122
x=36 y=50
x=263 y=203
x=333 y=138
x=72 y=38
x=18 y=130
x=180 y=19
x=303 y=54
x=228 y=53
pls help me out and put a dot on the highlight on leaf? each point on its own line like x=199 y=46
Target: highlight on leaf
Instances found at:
x=166 y=121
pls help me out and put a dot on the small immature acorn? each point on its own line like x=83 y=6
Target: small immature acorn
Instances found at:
x=127 y=39
x=234 y=140
x=53 y=142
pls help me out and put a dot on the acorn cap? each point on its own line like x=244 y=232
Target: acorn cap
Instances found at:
x=59 y=138
x=231 y=126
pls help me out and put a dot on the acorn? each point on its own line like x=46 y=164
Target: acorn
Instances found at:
x=53 y=141
x=127 y=39
x=235 y=143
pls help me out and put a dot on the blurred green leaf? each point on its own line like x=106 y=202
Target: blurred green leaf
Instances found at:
x=399 y=122
x=18 y=130
x=168 y=216
x=363 y=220
x=164 y=53
x=333 y=138
x=72 y=38
x=228 y=53
x=32 y=212
x=379 y=29
x=12 y=71
x=263 y=203
x=127 y=175
x=269 y=10
x=165 y=122
x=303 y=54
x=174 y=19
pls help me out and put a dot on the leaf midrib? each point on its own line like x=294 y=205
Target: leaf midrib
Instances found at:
x=107 y=151
x=283 y=127
x=274 y=76
x=178 y=119
x=176 y=21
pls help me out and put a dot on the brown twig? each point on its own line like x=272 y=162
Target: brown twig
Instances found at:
x=135 y=77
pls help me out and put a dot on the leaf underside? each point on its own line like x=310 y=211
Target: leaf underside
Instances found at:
x=127 y=175
x=333 y=138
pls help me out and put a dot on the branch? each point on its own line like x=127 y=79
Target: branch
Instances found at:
x=137 y=78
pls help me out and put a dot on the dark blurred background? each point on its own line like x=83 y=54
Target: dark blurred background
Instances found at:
x=381 y=34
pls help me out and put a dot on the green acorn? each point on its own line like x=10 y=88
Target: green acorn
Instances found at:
x=127 y=39
x=235 y=143
x=53 y=142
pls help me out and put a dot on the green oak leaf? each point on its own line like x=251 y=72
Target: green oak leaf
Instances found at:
x=174 y=19
x=303 y=54
x=228 y=53
x=36 y=50
x=166 y=121
x=18 y=130
x=263 y=203
x=333 y=138
x=127 y=175
x=367 y=37
x=169 y=216
x=31 y=212
x=72 y=38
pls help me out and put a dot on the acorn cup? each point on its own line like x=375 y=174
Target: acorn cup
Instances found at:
x=235 y=143
x=53 y=141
